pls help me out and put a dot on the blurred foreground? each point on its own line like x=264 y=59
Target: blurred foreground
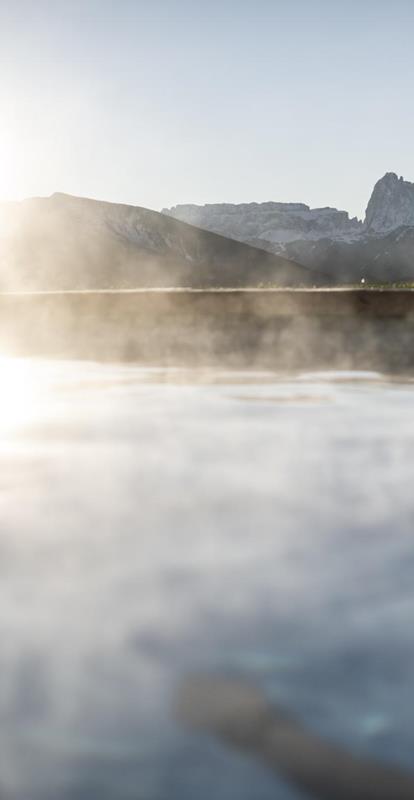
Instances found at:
x=157 y=523
x=240 y=715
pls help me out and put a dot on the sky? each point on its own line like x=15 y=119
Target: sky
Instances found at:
x=159 y=102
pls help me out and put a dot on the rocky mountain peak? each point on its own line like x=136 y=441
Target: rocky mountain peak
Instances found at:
x=391 y=204
x=269 y=224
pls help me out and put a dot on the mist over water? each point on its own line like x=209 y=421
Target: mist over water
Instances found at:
x=159 y=522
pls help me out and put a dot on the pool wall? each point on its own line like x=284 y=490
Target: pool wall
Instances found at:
x=281 y=329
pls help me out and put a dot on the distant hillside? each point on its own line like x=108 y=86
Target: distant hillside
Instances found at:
x=65 y=242
x=386 y=258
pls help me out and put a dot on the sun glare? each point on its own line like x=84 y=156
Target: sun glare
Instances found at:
x=19 y=393
x=7 y=163
x=16 y=162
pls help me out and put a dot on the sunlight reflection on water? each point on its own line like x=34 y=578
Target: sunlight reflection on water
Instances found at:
x=156 y=522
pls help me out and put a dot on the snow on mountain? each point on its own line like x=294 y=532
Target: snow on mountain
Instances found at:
x=70 y=242
x=270 y=223
x=274 y=225
x=391 y=205
x=324 y=239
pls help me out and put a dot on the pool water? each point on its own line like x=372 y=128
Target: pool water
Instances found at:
x=157 y=523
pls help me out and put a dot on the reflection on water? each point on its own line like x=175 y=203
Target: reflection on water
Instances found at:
x=158 y=523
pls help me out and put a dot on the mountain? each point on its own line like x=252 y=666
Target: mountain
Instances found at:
x=383 y=251
x=381 y=248
x=391 y=205
x=385 y=258
x=270 y=224
x=65 y=242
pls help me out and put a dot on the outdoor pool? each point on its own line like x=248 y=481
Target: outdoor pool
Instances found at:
x=155 y=523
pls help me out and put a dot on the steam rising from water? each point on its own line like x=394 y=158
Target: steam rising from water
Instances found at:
x=160 y=522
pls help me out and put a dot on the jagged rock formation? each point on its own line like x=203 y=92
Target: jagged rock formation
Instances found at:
x=268 y=224
x=65 y=242
x=384 y=251
x=391 y=205
x=379 y=249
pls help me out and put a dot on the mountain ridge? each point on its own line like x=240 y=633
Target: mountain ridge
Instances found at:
x=67 y=242
x=390 y=206
x=326 y=239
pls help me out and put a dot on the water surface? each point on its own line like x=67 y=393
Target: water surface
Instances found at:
x=155 y=523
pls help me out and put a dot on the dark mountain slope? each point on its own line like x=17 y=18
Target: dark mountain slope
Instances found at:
x=65 y=242
x=375 y=258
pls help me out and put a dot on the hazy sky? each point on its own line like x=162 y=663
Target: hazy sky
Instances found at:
x=159 y=102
